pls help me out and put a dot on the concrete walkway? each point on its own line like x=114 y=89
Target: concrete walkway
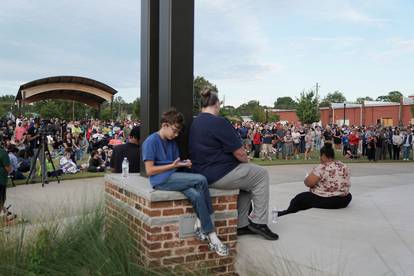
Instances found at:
x=373 y=236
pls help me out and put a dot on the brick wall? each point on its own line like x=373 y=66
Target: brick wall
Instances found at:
x=155 y=230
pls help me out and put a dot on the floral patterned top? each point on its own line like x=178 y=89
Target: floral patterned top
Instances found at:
x=334 y=179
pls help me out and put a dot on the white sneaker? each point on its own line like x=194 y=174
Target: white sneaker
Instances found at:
x=200 y=235
x=221 y=249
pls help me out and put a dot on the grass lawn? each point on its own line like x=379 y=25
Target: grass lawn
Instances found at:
x=275 y=162
x=315 y=160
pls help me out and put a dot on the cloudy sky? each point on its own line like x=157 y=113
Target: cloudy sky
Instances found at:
x=258 y=50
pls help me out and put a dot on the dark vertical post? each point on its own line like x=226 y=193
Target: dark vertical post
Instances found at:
x=149 y=113
x=344 y=112
x=176 y=61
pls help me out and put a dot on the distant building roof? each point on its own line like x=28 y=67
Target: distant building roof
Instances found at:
x=348 y=105
x=378 y=103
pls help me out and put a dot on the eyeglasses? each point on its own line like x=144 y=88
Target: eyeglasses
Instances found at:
x=175 y=130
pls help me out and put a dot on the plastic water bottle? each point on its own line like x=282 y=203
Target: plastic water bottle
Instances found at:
x=275 y=215
x=125 y=168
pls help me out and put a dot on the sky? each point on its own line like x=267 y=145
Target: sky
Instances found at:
x=252 y=50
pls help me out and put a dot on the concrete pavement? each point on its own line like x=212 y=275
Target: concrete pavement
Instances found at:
x=373 y=236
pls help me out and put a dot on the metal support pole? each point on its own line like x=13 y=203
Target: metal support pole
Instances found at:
x=176 y=62
x=149 y=69
x=344 y=113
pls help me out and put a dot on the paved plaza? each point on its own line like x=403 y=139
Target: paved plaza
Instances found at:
x=373 y=236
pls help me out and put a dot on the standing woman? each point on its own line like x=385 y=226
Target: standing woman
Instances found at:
x=257 y=140
x=308 y=144
x=397 y=141
x=328 y=185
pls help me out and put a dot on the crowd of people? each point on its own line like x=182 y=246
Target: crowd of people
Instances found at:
x=75 y=145
x=292 y=141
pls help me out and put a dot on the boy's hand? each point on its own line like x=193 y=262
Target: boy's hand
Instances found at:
x=182 y=164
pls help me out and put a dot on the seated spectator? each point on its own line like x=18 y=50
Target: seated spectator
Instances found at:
x=96 y=164
x=329 y=185
x=15 y=173
x=66 y=163
x=129 y=150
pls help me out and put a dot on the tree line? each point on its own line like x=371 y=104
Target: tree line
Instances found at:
x=306 y=106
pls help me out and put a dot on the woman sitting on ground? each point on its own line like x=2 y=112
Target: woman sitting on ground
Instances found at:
x=96 y=164
x=329 y=185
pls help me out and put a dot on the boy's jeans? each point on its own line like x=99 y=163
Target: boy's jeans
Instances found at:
x=195 y=188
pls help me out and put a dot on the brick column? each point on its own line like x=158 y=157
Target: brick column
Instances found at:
x=159 y=222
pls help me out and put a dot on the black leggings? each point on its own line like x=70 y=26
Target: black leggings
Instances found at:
x=307 y=200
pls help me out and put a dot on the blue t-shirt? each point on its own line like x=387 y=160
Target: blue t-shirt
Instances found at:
x=212 y=142
x=266 y=140
x=162 y=152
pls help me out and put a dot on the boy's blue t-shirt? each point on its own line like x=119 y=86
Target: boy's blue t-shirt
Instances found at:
x=162 y=152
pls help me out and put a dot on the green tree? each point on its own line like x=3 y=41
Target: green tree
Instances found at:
x=136 y=108
x=199 y=84
x=285 y=103
x=393 y=96
x=362 y=99
x=307 y=110
x=335 y=97
x=7 y=105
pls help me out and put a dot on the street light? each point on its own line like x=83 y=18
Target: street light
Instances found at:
x=344 y=113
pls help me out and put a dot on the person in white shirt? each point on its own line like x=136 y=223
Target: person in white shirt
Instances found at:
x=397 y=140
x=66 y=163
x=296 y=143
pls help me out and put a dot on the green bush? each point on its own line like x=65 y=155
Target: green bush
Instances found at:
x=81 y=247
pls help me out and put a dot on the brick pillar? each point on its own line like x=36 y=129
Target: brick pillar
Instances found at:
x=157 y=220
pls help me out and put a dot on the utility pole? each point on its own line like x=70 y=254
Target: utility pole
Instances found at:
x=317 y=92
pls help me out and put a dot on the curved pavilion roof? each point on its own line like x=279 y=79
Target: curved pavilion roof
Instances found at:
x=80 y=89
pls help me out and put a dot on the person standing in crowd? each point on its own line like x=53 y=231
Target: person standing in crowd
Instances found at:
x=390 y=144
x=328 y=184
x=302 y=143
x=257 y=141
x=379 y=141
x=5 y=169
x=318 y=138
x=288 y=145
x=267 y=143
x=353 y=141
x=280 y=141
x=129 y=150
x=217 y=153
x=407 y=144
x=296 y=143
x=337 y=134
x=308 y=144
x=19 y=132
x=397 y=141
x=33 y=137
x=327 y=135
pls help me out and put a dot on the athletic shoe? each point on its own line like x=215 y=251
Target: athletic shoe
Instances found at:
x=221 y=249
x=200 y=235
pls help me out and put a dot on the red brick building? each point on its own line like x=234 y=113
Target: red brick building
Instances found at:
x=369 y=113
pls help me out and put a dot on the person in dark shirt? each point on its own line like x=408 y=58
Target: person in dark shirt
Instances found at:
x=129 y=150
x=217 y=153
x=96 y=164
x=34 y=138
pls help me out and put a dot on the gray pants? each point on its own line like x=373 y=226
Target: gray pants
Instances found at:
x=253 y=182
